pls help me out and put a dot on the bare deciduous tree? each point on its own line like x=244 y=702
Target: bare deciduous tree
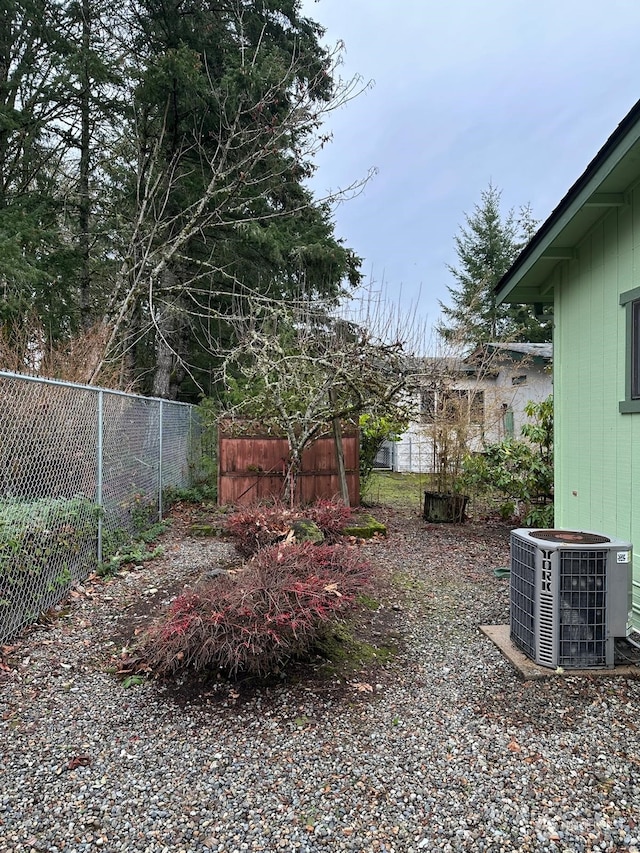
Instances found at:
x=236 y=178
x=298 y=369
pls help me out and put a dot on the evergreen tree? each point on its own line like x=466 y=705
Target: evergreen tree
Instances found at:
x=486 y=247
x=227 y=100
x=32 y=253
x=55 y=106
x=95 y=106
x=154 y=158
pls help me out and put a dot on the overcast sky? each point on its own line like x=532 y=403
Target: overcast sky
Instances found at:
x=465 y=92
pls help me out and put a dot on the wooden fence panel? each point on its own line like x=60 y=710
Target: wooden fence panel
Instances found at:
x=252 y=468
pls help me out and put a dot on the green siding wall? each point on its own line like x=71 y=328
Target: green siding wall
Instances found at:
x=597 y=448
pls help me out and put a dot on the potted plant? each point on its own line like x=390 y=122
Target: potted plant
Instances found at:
x=448 y=427
x=445 y=503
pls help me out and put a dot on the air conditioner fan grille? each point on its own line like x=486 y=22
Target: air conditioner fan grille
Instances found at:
x=570 y=537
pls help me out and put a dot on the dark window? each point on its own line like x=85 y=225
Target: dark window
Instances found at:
x=428 y=403
x=630 y=301
x=519 y=380
x=635 y=350
x=452 y=405
x=476 y=407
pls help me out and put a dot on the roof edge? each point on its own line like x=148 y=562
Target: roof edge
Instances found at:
x=563 y=208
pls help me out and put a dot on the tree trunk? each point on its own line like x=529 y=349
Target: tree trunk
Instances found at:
x=163 y=368
x=84 y=205
x=166 y=322
x=337 y=437
x=291 y=478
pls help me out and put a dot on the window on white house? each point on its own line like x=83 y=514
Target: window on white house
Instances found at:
x=428 y=403
x=519 y=380
x=452 y=404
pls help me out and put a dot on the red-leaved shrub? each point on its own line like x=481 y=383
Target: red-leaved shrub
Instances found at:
x=330 y=516
x=254 y=621
x=259 y=525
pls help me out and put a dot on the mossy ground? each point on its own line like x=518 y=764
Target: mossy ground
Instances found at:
x=346 y=651
x=365 y=526
x=368 y=601
x=205 y=528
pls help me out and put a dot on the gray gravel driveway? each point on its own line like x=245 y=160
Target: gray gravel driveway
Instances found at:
x=443 y=749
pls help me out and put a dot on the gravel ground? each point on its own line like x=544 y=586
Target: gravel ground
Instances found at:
x=443 y=749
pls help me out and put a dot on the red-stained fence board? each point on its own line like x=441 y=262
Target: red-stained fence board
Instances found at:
x=252 y=468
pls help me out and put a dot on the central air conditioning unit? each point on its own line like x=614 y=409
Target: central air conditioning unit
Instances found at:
x=570 y=596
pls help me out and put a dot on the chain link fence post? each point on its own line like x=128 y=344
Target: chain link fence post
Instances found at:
x=160 y=451
x=99 y=459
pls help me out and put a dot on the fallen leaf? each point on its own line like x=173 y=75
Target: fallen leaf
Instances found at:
x=78 y=761
x=514 y=746
x=363 y=687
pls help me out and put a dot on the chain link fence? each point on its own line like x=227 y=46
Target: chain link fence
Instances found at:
x=82 y=471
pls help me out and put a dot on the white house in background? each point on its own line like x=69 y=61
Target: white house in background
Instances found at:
x=492 y=385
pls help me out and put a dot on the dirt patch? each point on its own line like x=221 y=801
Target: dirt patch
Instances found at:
x=356 y=661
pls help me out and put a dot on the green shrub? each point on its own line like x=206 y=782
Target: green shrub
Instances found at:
x=198 y=493
x=44 y=544
x=520 y=472
x=374 y=431
x=35 y=530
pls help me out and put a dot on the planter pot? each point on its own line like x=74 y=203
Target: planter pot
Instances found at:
x=445 y=507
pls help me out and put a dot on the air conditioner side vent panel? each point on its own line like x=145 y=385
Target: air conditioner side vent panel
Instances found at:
x=523 y=560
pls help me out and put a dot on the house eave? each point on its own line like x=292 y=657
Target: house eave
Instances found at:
x=604 y=184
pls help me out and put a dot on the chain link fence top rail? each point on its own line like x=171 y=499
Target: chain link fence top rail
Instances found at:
x=82 y=470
